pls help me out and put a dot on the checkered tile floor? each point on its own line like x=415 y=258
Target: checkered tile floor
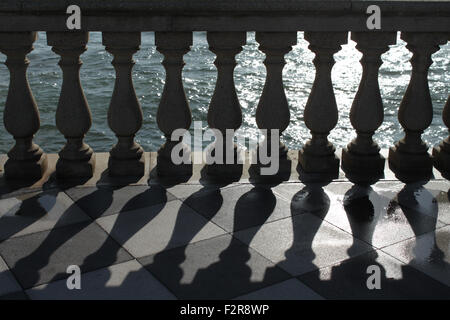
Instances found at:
x=241 y=241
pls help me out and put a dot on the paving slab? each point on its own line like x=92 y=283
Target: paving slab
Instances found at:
x=348 y=280
x=370 y=214
x=430 y=253
x=124 y=281
x=150 y=230
x=8 y=284
x=37 y=211
x=218 y=268
x=302 y=243
x=240 y=207
x=43 y=257
x=291 y=289
x=184 y=191
x=106 y=200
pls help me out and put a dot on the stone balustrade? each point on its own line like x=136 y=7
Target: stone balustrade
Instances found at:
x=326 y=25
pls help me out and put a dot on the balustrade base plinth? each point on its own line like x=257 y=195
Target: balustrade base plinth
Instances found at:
x=409 y=167
x=362 y=169
x=73 y=169
x=441 y=158
x=314 y=168
x=282 y=174
x=126 y=167
x=32 y=169
x=223 y=170
x=166 y=168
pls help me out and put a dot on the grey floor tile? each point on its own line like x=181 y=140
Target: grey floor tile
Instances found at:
x=432 y=199
x=8 y=283
x=370 y=214
x=218 y=268
x=38 y=211
x=150 y=230
x=183 y=191
x=288 y=190
x=291 y=289
x=430 y=253
x=302 y=243
x=102 y=201
x=18 y=295
x=240 y=207
x=380 y=216
x=348 y=280
x=127 y=281
x=44 y=256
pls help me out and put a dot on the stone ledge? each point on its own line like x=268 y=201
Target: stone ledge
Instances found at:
x=199 y=6
x=218 y=15
x=101 y=177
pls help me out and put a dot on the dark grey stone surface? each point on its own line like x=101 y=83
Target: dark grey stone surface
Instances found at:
x=218 y=5
x=291 y=289
x=127 y=280
x=37 y=211
x=219 y=268
x=153 y=229
x=429 y=253
x=239 y=207
x=348 y=280
x=44 y=256
x=102 y=201
x=217 y=15
x=310 y=232
x=9 y=285
x=302 y=243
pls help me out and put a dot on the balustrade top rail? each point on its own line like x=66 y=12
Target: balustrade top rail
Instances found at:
x=219 y=15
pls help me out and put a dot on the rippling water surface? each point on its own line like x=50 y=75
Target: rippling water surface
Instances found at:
x=97 y=75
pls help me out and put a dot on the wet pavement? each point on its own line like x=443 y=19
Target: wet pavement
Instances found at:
x=229 y=241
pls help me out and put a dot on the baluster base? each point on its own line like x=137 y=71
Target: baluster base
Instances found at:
x=170 y=170
x=225 y=171
x=165 y=166
x=126 y=162
x=362 y=169
x=282 y=174
x=126 y=167
x=317 y=168
x=29 y=169
x=78 y=165
x=409 y=167
x=441 y=158
x=283 y=169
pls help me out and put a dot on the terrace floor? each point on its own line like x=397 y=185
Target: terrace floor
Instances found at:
x=242 y=240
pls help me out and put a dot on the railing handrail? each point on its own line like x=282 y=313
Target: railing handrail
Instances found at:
x=231 y=6
x=230 y=15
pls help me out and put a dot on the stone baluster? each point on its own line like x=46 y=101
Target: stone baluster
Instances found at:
x=273 y=109
x=409 y=158
x=173 y=111
x=441 y=153
x=26 y=160
x=317 y=159
x=361 y=160
x=125 y=113
x=73 y=117
x=225 y=110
